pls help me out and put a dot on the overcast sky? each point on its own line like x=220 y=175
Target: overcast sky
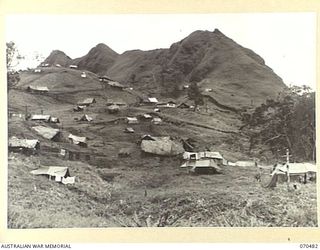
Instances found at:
x=286 y=41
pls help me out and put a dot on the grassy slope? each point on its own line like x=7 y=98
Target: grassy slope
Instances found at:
x=233 y=198
x=215 y=200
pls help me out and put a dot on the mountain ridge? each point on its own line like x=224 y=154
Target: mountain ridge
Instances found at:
x=210 y=59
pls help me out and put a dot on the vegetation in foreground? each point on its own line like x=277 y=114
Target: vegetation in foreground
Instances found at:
x=170 y=198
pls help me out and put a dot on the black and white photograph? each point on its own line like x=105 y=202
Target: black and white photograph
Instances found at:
x=161 y=120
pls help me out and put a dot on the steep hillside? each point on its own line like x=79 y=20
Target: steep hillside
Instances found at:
x=58 y=57
x=59 y=79
x=237 y=75
x=98 y=59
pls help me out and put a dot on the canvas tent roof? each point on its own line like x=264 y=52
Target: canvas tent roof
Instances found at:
x=129 y=130
x=39 y=88
x=87 y=101
x=78 y=108
x=184 y=105
x=213 y=155
x=189 y=155
x=202 y=163
x=245 y=163
x=161 y=146
x=116 y=102
x=153 y=99
x=205 y=154
x=148 y=137
x=113 y=106
x=150 y=100
x=156 y=120
x=51 y=170
x=86 y=118
x=105 y=78
x=132 y=120
x=77 y=139
x=295 y=168
x=41 y=117
x=147 y=116
x=46 y=132
x=54 y=119
x=115 y=84
x=24 y=143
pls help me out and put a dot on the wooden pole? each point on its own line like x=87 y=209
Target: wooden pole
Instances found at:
x=26 y=115
x=288 y=174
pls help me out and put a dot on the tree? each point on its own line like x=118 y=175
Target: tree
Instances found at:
x=288 y=122
x=195 y=95
x=13 y=57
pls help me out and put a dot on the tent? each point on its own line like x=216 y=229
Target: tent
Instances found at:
x=116 y=85
x=183 y=105
x=298 y=172
x=81 y=141
x=86 y=118
x=132 y=120
x=78 y=108
x=202 y=166
x=129 y=130
x=87 y=101
x=54 y=119
x=38 y=89
x=112 y=109
x=191 y=156
x=45 y=118
x=59 y=174
x=169 y=104
x=47 y=132
x=116 y=102
x=161 y=146
x=148 y=137
x=23 y=145
x=150 y=100
x=147 y=116
x=156 y=121
x=105 y=78
x=205 y=155
x=245 y=163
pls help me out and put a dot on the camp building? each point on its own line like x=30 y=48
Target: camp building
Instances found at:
x=77 y=140
x=37 y=89
x=25 y=146
x=48 y=133
x=57 y=173
x=87 y=102
x=202 y=166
